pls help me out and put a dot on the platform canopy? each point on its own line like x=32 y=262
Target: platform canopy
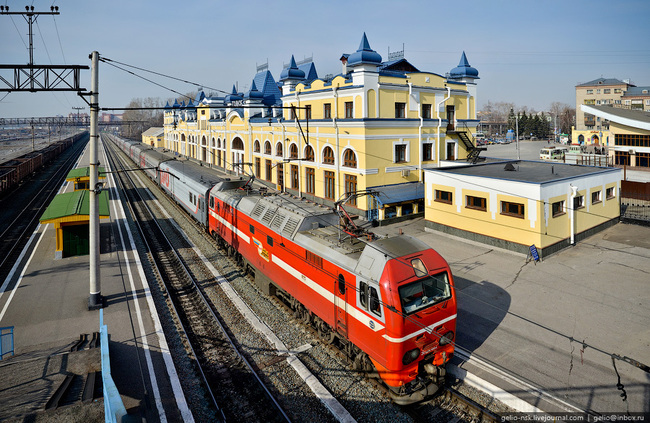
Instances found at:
x=84 y=173
x=74 y=206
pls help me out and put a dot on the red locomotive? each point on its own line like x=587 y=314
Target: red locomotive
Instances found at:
x=388 y=303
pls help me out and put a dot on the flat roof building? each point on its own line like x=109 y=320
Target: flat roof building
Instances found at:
x=516 y=204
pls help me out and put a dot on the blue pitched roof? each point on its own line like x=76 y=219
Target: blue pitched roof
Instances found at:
x=310 y=71
x=268 y=87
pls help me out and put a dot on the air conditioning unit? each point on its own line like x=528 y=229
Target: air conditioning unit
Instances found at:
x=629 y=152
x=405 y=173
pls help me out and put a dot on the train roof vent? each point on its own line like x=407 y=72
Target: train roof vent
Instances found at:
x=257 y=211
x=268 y=216
x=278 y=220
x=291 y=225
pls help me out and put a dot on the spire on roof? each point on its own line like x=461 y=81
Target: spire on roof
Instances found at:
x=292 y=72
x=365 y=54
x=463 y=70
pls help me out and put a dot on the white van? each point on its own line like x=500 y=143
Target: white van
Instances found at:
x=552 y=154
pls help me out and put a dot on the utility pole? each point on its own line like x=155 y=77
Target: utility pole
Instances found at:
x=517 y=126
x=95 y=300
x=32 y=77
x=77 y=109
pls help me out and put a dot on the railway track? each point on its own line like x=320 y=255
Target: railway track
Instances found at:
x=21 y=209
x=230 y=382
x=442 y=408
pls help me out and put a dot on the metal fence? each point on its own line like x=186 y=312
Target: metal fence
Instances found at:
x=635 y=201
x=6 y=341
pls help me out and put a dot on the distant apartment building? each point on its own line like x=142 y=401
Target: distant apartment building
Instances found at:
x=593 y=129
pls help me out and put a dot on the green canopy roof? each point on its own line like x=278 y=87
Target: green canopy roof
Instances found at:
x=84 y=172
x=74 y=203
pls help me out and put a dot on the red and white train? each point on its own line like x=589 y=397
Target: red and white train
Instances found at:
x=388 y=303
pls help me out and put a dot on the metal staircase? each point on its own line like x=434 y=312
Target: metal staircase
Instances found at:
x=473 y=152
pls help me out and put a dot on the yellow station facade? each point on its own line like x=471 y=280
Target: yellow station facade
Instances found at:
x=377 y=126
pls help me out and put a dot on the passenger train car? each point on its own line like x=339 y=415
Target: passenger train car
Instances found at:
x=388 y=303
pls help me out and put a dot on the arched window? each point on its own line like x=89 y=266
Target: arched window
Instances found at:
x=293 y=151
x=237 y=144
x=349 y=158
x=309 y=153
x=256 y=146
x=267 y=148
x=218 y=142
x=278 y=149
x=328 y=156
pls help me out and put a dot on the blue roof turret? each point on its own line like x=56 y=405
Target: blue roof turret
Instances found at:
x=463 y=70
x=176 y=105
x=253 y=93
x=292 y=72
x=364 y=55
x=234 y=96
x=167 y=106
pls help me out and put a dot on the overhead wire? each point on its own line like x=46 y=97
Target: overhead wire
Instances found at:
x=392 y=309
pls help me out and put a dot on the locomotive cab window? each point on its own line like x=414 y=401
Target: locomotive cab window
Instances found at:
x=211 y=202
x=269 y=241
x=341 y=284
x=363 y=295
x=369 y=298
x=424 y=293
x=375 y=305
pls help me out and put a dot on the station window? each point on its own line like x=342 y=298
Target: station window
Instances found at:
x=349 y=110
x=512 y=209
x=426 y=111
x=444 y=196
x=558 y=208
x=400 y=153
x=610 y=193
x=596 y=197
x=327 y=111
x=578 y=202
x=476 y=203
x=400 y=110
x=427 y=151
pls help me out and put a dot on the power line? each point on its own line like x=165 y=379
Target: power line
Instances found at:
x=110 y=61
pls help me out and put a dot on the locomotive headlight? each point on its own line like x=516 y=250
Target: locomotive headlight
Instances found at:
x=410 y=356
x=447 y=338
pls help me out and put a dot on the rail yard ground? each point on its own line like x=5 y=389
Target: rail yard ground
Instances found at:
x=523 y=324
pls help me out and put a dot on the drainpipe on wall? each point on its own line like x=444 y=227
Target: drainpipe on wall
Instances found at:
x=410 y=84
x=440 y=123
x=336 y=132
x=574 y=192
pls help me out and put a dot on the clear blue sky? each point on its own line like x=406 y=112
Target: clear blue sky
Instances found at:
x=530 y=53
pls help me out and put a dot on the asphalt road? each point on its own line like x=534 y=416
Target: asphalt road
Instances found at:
x=530 y=320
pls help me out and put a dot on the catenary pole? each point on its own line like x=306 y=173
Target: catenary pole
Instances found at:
x=95 y=300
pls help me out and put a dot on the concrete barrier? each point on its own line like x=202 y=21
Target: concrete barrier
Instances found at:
x=114 y=409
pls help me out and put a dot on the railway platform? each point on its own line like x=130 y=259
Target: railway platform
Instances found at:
x=46 y=301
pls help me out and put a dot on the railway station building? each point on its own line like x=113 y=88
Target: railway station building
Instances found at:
x=376 y=126
x=629 y=139
x=517 y=204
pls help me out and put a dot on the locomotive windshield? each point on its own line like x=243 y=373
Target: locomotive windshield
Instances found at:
x=425 y=292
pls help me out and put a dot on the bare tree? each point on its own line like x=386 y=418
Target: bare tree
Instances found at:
x=566 y=116
x=144 y=113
